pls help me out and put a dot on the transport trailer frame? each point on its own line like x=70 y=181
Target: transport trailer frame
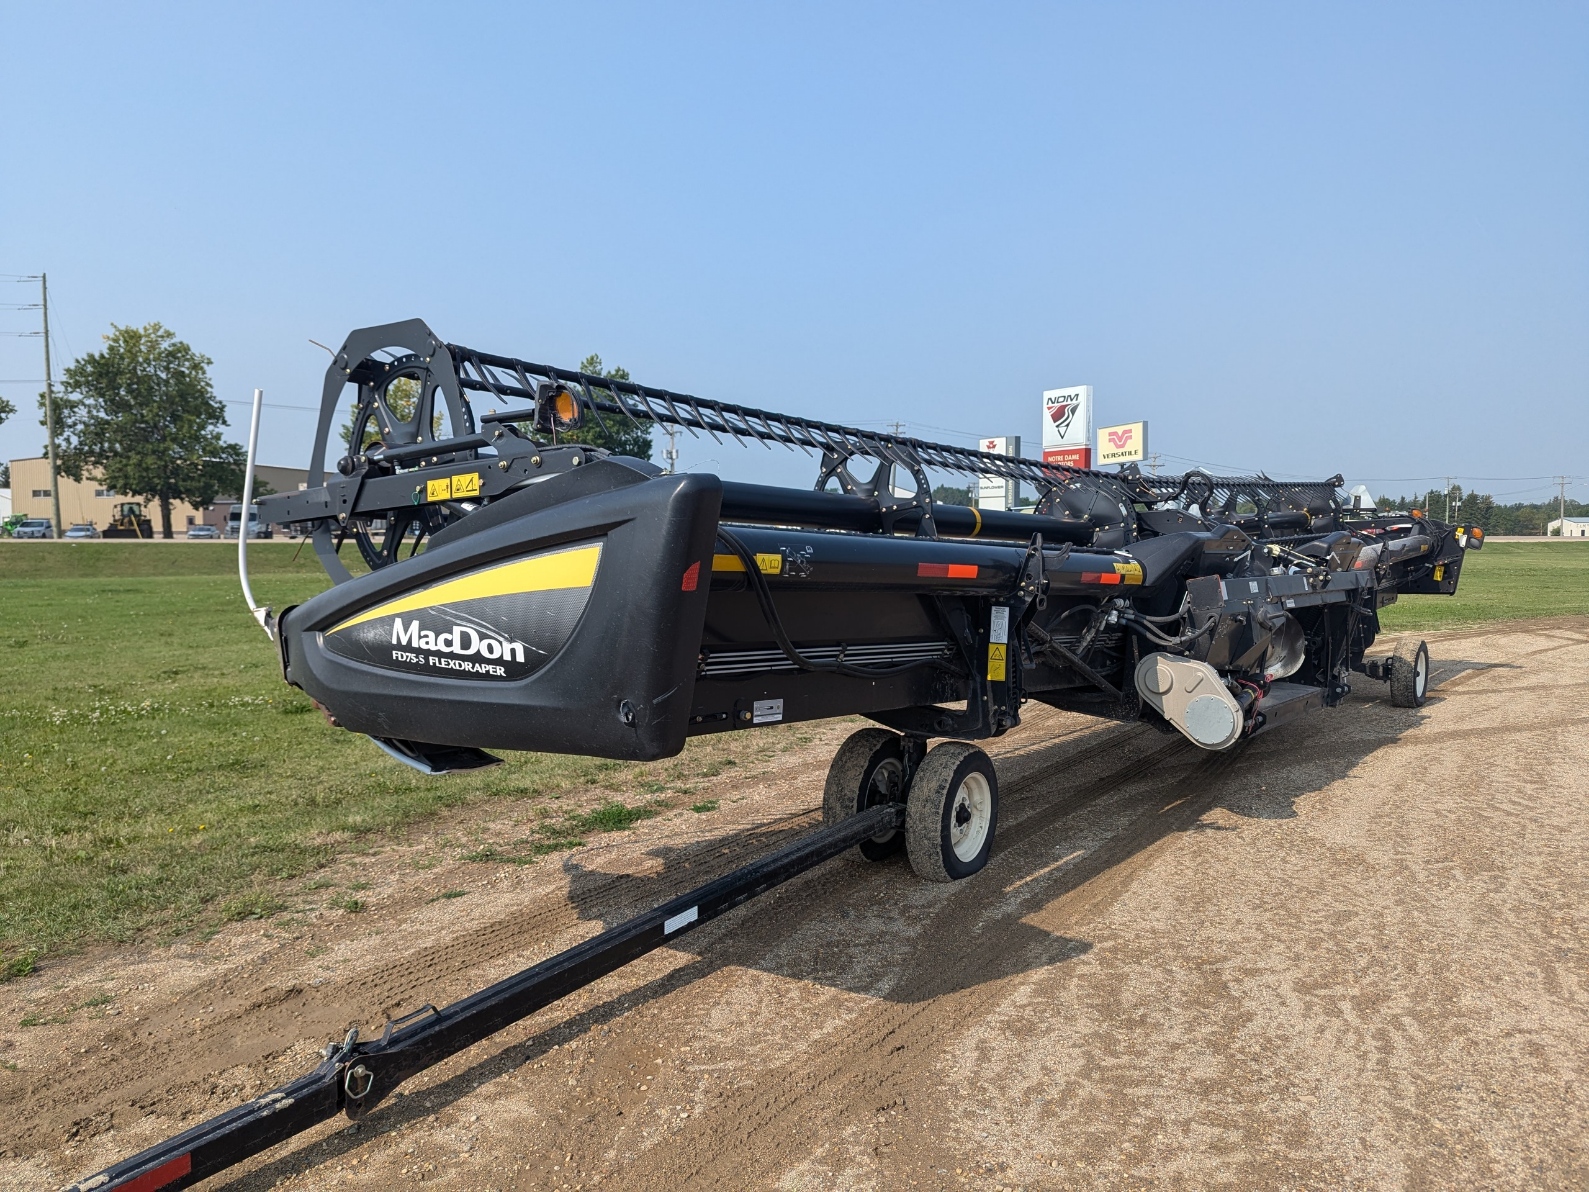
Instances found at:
x=357 y=1075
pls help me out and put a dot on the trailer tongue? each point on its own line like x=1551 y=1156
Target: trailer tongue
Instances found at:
x=570 y=600
x=358 y=1075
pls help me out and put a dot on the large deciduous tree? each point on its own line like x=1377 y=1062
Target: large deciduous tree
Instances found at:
x=142 y=416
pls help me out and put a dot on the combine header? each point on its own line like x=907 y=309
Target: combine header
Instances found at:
x=575 y=601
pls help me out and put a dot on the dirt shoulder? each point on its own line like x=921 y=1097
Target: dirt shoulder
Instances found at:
x=1350 y=954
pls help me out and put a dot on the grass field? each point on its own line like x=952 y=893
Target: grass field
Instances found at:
x=1504 y=581
x=157 y=777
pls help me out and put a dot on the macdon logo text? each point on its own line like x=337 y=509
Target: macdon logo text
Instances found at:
x=460 y=639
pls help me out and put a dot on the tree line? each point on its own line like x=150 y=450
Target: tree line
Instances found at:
x=1480 y=509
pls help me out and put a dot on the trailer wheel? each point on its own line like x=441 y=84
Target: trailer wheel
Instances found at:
x=1409 y=674
x=952 y=812
x=868 y=769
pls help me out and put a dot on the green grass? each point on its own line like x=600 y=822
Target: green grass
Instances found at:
x=158 y=778
x=161 y=560
x=1504 y=581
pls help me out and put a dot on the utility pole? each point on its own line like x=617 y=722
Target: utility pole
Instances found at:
x=670 y=453
x=1561 y=505
x=1153 y=462
x=897 y=429
x=49 y=405
x=1448 y=500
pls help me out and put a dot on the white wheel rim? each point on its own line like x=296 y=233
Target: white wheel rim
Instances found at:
x=970 y=814
x=1420 y=674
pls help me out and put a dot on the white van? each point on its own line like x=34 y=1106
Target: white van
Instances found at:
x=234 y=519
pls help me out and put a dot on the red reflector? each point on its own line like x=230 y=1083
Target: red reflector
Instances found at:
x=166 y=1173
x=946 y=570
x=1100 y=577
x=692 y=577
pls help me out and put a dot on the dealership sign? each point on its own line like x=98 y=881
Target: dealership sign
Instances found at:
x=1067 y=426
x=1123 y=444
x=995 y=492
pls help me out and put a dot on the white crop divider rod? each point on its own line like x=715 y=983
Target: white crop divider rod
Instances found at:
x=261 y=615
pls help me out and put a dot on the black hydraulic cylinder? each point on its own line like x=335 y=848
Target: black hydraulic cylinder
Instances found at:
x=764 y=504
x=361 y=1075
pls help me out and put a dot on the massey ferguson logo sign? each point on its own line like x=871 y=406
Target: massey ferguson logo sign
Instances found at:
x=1123 y=444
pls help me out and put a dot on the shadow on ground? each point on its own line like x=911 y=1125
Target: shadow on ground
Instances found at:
x=1143 y=787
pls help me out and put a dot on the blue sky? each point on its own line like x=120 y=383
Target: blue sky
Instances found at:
x=1301 y=238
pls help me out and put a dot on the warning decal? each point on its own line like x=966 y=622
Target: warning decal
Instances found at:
x=998 y=642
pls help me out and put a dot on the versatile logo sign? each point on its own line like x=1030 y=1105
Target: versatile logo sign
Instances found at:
x=1067 y=426
x=1123 y=444
x=501 y=622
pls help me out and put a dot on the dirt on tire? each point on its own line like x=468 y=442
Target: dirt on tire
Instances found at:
x=1348 y=954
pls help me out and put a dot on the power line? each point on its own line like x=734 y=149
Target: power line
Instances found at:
x=1432 y=479
x=237 y=401
x=1517 y=492
x=1236 y=468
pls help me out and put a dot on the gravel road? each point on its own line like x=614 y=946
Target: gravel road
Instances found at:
x=1351 y=954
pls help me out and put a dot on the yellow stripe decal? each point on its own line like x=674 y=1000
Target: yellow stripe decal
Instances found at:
x=770 y=564
x=575 y=568
x=976 y=513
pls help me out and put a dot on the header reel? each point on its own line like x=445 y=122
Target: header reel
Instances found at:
x=418 y=457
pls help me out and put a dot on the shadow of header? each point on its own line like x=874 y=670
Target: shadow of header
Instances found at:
x=839 y=925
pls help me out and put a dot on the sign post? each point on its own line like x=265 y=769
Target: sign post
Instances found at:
x=1067 y=426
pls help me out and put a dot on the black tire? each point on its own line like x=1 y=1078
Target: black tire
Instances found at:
x=952 y=813
x=868 y=769
x=1409 y=674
